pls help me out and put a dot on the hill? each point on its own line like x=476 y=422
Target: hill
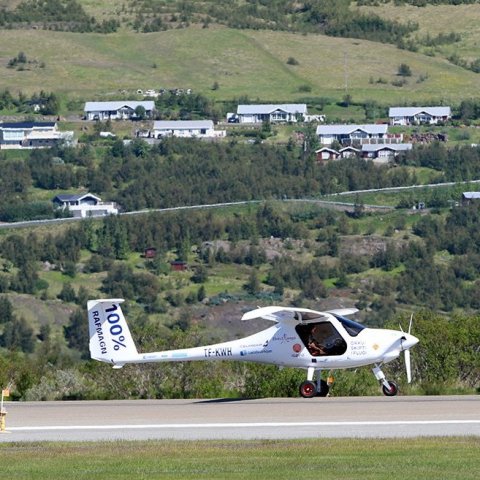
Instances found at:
x=242 y=62
x=433 y=20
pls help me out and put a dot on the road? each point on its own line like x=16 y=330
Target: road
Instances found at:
x=269 y=418
x=322 y=203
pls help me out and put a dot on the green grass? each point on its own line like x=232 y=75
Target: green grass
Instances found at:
x=15 y=154
x=378 y=223
x=226 y=278
x=243 y=62
x=392 y=198
x=352 y=113
x=254 y=459
x=435 y=19
x=56 y=280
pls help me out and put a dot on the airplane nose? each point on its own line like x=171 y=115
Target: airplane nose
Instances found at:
x=408 y=341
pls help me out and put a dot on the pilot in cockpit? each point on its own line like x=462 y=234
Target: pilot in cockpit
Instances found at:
x=314 y=347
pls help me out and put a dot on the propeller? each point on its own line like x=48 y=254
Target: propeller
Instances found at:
x=406 y=351
x=408 y=365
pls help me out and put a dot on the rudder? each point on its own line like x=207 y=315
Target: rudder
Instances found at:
x=110 y=338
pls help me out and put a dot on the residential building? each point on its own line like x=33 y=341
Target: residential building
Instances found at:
x=186 y=128
x=419 y=115
x=352 y=134
x=85 y=205
x=324 y=154
x=178 y=266
x=349 y=151
x=118 y=110
x=383 y=153
x=269 y=112
x=470 y=197
x=15 y=135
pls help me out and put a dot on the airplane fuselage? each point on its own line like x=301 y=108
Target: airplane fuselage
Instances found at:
x=281 y=345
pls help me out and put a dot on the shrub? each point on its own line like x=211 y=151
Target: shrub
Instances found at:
x=404 y=70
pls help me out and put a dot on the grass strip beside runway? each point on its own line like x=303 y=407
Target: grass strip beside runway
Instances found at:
x=425 y=458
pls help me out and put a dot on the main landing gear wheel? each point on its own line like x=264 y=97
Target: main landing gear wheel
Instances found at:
x=308 y=389
x=392 y=391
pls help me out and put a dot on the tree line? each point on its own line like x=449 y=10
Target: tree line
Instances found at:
x=180 y=172
x=63 y=15
x=333 y=17
x=421 y=279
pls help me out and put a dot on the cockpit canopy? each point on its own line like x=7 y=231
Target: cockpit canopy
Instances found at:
x=351 y=327
x=321 y=336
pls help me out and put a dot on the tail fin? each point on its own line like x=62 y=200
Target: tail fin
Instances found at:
x=110 y=338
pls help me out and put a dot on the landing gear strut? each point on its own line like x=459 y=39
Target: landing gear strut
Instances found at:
x=310 y=389
x=389 y=388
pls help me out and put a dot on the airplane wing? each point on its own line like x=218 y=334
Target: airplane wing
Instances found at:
x=343 y=312
x=281 y=314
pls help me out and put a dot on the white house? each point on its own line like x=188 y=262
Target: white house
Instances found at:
x=291 y=112
x=119 y=110
x=85 y=205
x=29 y=135
x=349 y=134
x=383 y=153
x=325 y=153
x=470 y=197
x=419 y=115
x=186 y=128
x=348 y=152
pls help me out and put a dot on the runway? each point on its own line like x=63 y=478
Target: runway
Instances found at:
x=269 y=418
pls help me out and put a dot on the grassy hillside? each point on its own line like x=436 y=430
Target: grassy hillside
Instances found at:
x=436 y=19
x=243 y=62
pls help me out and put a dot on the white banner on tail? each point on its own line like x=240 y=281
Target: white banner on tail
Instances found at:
x=110 y=338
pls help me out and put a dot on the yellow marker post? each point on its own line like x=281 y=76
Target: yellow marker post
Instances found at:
x=3 y=412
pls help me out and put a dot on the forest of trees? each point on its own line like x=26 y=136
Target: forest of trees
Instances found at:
x=180 y=172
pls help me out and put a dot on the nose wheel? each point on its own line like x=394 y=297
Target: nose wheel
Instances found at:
x=391 y=390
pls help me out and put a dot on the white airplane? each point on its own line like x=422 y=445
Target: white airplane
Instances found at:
x=300 y=338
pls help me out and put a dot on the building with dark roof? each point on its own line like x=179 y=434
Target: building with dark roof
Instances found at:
x=84 y=205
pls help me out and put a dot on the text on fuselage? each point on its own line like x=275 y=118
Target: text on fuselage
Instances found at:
x=218 y=352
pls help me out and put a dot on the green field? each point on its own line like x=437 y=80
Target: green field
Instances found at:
x=429 y=459
x=435 y=19
x=243 y=62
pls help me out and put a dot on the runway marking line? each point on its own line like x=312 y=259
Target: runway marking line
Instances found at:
x=167 y=426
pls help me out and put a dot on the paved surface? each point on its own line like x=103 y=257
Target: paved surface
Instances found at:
x=278 y=418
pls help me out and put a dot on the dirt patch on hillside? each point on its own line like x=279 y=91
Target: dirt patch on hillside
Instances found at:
x=39 y=312
x=273 y=247
x=360 y=245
